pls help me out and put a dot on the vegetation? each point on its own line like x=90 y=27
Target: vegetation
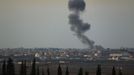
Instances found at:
x=33 y=71
x=8 y=68
x=120 y=71
x=4 y=68
x=23 y=69
x=48 y=72
x=113 y=71
x=80 y=71
x=98 y=71
x=59 y=71
x=67 y=72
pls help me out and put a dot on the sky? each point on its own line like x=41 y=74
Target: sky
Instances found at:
x=44 y=23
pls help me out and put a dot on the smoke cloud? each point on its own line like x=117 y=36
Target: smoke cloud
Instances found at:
x=77 y=5
x=77 y=25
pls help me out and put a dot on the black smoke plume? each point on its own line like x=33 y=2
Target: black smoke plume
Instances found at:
x=77 y=25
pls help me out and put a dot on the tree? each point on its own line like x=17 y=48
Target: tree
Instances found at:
x=98 y=71
x=38 y=70
x=22 y=68
x=10 y=67
x=48 y=71
x=33 y=71
x=59 y=71
x=113 y=71
x=120 y=72
x=4 y=68
x=67 y=72
x=25 y=68
x=80 y=71
x=43 y=72
x=86 y=73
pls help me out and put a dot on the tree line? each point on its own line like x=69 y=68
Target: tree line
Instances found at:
x=8 y=68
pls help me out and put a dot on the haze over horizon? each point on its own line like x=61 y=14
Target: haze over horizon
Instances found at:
x=44 y=23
